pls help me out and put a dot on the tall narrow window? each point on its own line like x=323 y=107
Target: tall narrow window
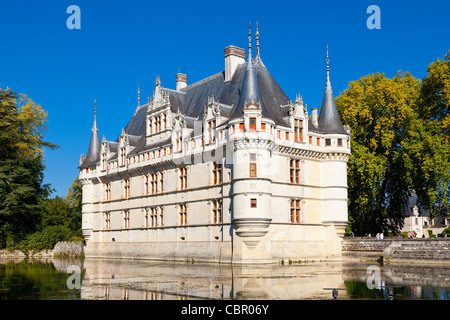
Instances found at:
x=183 y=178
x=252 y=124
x=211 y=126
x=126 y=188
x=217 y=211
x=154 y=183
x=146 y=183
x=161 y=215
x=252 y=165
x=217 y=173
x=295 y=171
x=122 y=156
x=108 y=191
x=295 y=211
x=339 y=142
x=241 y=127
x=161 y=182
x=183 y=215
x=126 y=219
x=104 y=161
x=164 y=122
x=153 y=217
x=318 y=141
x=298 y=130
x=107 y=221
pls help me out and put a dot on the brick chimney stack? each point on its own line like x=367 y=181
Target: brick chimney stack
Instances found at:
x=181 y=81
x=234 y=56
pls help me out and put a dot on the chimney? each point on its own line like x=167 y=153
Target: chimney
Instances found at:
x=314 y=117
x=234 y=56
x=181 y=81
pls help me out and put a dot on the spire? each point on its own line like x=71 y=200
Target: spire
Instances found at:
x=250 y=42
x=138 y=96
x=257 y=40
x=93 y=154
x=250 y=92
x=329 y=121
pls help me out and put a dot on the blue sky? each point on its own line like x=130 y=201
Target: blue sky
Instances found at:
x=123 y=43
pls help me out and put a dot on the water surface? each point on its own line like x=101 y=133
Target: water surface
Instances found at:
x=101 y=279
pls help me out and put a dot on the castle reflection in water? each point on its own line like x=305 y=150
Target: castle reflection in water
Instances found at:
x=144 y=280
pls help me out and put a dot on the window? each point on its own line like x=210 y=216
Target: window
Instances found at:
x=108 y=191
x=211 y=126
x=318 y=141
x=310 y=140
x=126 y=219
x=126 y=188
x=252 y=165
x=217 y=173
x=241 y=127
x=327 y=142
x=217 y=211
x=278 y=134
x=252 y=203
x=104 y=161
x=298 y=130
x=183 y=178
x=161 y=181
x=263 y=127
x=253 y=124
x=107 y=220
x=146 y=184
x=295 y=211
x=339 y=142
x=153 y=217
x=122 y=156
x=295 y=171
x=161 y=214
x=287 y=135
x=154 y=183
x=183 y=215
x=146 y=218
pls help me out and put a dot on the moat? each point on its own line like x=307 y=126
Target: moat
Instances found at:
x=101 y=279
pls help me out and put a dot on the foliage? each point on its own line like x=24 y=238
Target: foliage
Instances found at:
x=22 y=124
x=29 y=219
x=46 y=239
x=394 y=151
x=446 y=232
x=434 y=103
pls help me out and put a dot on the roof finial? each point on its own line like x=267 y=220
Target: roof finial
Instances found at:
x=328 y=85
x=257 y=40
x=328 y=61
x=138 y=96
x=249 y=41
x=94 y=127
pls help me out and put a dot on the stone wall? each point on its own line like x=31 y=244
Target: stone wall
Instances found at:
x=68 y=248
x=434 y=250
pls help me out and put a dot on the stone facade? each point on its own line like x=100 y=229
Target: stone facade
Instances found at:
x=226 y=169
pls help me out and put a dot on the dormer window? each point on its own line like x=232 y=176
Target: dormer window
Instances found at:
x=252 y=126
x=211 y=126
x=298 y=130
x=104 y=161
x=122 y=156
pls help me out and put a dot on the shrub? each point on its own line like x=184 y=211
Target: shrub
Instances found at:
x=446 y=232
x=45 y=239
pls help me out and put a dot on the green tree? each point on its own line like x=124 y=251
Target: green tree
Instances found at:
x=434 y=102
x=22 y=127
x=393 y=151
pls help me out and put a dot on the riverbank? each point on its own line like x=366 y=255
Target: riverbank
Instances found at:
x=61 y=249
x=393 y=250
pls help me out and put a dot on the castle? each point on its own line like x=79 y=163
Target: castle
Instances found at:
x=227 y=169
